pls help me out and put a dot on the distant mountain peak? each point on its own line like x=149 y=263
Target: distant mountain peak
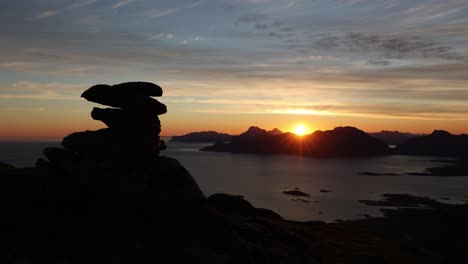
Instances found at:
x=253 y=131
x=275 y=131
x=441 y=133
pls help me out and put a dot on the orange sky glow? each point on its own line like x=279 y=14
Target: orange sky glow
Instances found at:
x=375 y=65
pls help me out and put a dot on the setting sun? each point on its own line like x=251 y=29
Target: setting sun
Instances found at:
x=300 y=130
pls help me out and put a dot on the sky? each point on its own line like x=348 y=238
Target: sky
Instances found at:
x=225 y=65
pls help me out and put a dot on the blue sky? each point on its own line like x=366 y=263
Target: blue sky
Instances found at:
x=357 y=61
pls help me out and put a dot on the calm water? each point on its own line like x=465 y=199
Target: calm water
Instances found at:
x=261 y=179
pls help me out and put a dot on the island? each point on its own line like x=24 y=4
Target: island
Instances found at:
x=439 y=143
x=202 y=137
x=393 y=137
x=339 y=142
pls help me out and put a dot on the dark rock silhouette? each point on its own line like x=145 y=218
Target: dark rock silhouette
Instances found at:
x=125 y=96
x=111 y=143
x=439 y=143
x=339 y=142
x=393 y=137
x=122 y=119
x=202 y=137
x=252 y=132
x=133 y=130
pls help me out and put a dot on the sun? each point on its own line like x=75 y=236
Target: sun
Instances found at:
x=300 y=129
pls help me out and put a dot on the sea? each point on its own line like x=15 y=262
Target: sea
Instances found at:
x=334 y=185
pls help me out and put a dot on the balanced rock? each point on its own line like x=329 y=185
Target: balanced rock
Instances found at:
x=108 y=143
x=123 y=119
x=144 y=88
x=123 y=98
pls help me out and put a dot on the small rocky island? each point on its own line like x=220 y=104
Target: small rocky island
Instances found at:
x=339 y=142
x=203 y=137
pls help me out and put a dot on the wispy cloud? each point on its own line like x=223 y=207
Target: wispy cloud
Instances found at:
x=162 y=35
x=390 y=46
x=122 y=3
x=45 y=14
x=170 y=11
x=33 y=90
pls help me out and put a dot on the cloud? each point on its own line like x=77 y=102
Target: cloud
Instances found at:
x=390 y=46
x=162 y=35
x=122 y=3
x=34 y=90
x=45 y=14
x=170 y=11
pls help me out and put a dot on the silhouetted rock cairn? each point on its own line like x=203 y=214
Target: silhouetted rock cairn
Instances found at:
x=119 y=164
x=133 y=127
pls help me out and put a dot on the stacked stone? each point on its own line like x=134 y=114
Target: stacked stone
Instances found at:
x=133 y=123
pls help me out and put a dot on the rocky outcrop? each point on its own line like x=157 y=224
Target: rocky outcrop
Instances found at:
x=121 y=159
x=133 y=128
x=203 y=137
x=339 y=142
x=439 y=143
